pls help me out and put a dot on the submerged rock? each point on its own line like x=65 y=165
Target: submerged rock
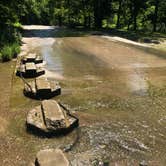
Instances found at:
x=51 y=157
x=41 y=88
x=50 y=118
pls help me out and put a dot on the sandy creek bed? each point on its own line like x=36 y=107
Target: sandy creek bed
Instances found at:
x=117 y=91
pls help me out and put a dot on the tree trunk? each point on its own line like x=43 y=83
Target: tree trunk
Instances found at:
x=135 y=21
x=60 y=20
x=155 y=15
x=135 y=13
x=119 y=12
x=97 y=14
x=84 y=13
x=68 y=5
x=89 y=20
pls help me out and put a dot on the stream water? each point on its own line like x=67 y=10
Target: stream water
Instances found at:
x=117 y=91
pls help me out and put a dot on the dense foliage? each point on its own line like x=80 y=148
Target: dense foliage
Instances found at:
x=9 y=29
x=148 y=15
x=127 y=14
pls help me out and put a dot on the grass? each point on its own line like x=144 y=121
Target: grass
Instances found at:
x=15 y=47
x=9 y=51
x=6 y=53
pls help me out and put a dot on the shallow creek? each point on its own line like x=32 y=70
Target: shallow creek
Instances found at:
x=117 y=91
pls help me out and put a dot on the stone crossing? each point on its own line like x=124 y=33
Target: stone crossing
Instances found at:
x=50 y=118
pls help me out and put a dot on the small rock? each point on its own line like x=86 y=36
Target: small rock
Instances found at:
x=31 y=164
x=51 y=157
x=68 y=148
x=95 y=162
x=101 y=163
x=147 y=40
x=155 y=42
x=102 y=146
x=143 y=163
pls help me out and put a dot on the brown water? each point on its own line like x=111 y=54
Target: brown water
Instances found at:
x=117 y=91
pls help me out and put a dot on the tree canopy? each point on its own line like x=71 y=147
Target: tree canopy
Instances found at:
x=126 y=14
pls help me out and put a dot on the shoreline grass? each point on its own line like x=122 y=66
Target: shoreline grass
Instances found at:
x=9 y=51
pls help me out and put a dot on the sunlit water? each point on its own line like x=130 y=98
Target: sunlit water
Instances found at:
x=121 y=105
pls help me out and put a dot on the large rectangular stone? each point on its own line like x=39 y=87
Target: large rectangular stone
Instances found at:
x=31 y=57
x=51 y=157
x=42 y=83
x=30 y=66
x=53 y=115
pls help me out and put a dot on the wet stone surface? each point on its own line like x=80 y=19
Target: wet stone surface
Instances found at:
x=50 y=118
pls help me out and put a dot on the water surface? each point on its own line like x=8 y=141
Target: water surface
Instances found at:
x=117 y=91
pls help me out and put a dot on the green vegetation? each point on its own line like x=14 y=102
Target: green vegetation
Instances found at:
x=9 y=51
x=9 y=30
x=6 y=53
x=147 y=15
x=127 y=15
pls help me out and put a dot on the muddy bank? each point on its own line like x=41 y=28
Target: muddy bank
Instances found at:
x=11 y=149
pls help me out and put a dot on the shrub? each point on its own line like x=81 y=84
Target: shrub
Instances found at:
x=9 y=51
x=6 y=53
x=15 y=49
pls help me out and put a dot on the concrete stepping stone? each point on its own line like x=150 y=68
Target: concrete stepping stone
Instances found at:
x=42 y=88
x=32 y=58
x=29 y=70
x=50 y=118
x=51 y=157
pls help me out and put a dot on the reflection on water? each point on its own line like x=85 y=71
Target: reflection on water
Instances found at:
x=52 y=59
x=137 y=82
x=72 y=63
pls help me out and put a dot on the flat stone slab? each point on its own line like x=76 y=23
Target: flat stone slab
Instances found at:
x=30 y=66
x=50 y=118
x=53 y=114
x=42 y=88
x=35 y=118
x=42 y=83
x=51 y=157
x=31 y=56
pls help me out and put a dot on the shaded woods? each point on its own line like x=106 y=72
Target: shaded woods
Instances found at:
x=125 y=14
x=147 y=16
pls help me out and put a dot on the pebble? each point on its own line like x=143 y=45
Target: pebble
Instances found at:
x=143 y=163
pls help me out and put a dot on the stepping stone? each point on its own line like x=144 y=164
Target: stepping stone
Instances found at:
x=51 y=157
x=30 y=67
x=29 y=70
x=42 y=88
x=35 y=118
x=50 y=118
x=32 y=58
x=53 y=114
x=43 y=84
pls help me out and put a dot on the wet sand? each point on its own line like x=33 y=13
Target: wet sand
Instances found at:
x=116 y=90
